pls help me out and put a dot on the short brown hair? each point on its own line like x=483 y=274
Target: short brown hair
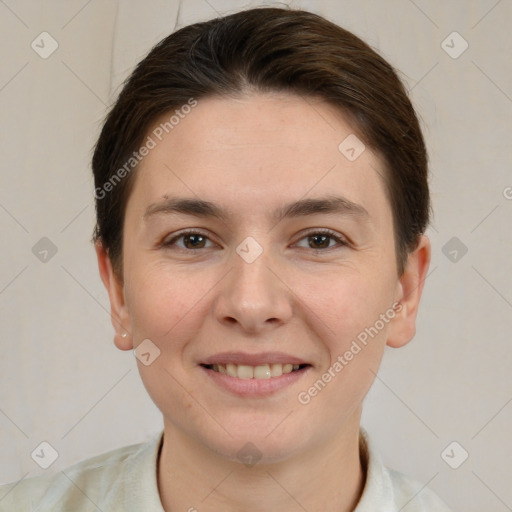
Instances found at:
x=267 y=49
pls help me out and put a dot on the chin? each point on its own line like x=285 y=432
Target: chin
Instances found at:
x=253 y=438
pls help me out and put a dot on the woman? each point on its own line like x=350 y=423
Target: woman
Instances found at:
x=261 y=198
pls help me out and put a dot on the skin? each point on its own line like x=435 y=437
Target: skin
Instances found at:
x=251 y=155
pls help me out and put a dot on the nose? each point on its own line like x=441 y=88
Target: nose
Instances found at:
x=254 y=296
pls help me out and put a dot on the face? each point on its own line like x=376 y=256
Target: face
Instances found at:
x=292 y=261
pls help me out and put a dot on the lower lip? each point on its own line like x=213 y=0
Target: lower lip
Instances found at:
x=255 y=387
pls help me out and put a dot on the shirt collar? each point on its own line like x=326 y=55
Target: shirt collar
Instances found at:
x=378 y=487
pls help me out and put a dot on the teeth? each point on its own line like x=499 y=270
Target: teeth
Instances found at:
x=245 y=372
x=265 y=371
x=231 y=370
x=276 y=370
x=262 y=372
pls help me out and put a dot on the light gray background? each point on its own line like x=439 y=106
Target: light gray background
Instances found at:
x=61 y=378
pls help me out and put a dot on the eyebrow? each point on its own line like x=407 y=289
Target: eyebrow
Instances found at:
x=201 y=208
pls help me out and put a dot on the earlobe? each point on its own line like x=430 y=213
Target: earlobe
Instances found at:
x=409 y=290
x=119 y=315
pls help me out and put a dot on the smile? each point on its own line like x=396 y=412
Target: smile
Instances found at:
x=265 y=371
x=254 y=381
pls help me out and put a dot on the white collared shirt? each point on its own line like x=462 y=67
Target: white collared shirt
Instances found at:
x=125 y=480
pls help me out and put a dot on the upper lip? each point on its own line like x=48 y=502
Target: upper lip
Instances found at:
x=252 y=359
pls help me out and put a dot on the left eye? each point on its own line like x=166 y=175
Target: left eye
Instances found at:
x=322 y=240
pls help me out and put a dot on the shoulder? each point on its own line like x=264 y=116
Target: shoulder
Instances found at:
x=84 y=485
x=389 y=490
x=414 y=496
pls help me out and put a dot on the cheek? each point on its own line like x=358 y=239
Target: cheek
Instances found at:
x=164 y=307
x=159 y=299
x=353 y=335
x=346 y=302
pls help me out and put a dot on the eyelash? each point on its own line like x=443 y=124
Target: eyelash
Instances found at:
x=341 y=242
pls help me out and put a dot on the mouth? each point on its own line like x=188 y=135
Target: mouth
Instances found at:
x=254 y=375
x=259 y=372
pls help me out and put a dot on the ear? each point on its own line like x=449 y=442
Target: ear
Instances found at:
x=118 y=311
x=409 y=289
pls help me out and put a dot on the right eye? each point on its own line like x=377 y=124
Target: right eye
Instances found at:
x=192 y=240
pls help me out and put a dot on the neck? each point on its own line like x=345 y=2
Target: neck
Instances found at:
x=327 y=477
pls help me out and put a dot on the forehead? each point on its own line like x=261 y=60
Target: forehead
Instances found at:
x=258 y=119
x=261 y=148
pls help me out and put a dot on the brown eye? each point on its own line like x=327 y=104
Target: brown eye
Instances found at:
x=190 y=240
x=195 y=241
x=321 y=240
